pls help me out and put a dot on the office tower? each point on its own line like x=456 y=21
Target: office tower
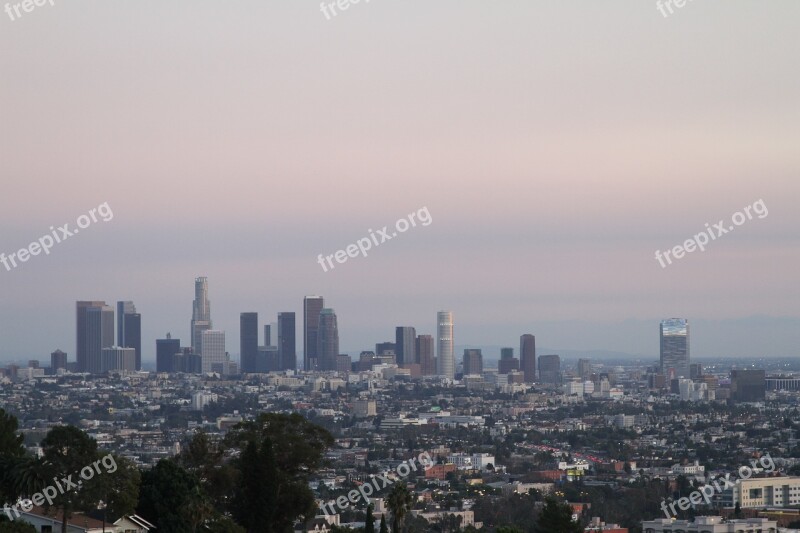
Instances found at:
x=97 y=333
x=81 y=354
x=327 y=339
x=584 y=368
x=312 y=307
x=473 y=362
x=187 y=361
x=343 y=363
x=675 y=348
x=748 y=385
x=287 y=343
x=366 y=360
x=33 y=363
x=129 y=329
x=405 y=345
x=527 y=357
x=508 y=363
x=695 y=370
x=213 y=344
x=445 y=350
x=550 y=369
x=248 y=341
x=268 y=335
x=386 y=348
x=165 y=354
x=268 y=359
x=201 y=314
x=58 y=359
x=118 y=359
x=425 y=355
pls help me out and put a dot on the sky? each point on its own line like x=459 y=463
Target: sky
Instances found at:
x=556 y=145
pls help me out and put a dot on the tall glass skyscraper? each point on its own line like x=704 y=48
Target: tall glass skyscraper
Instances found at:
x=129 y=329
x=82 y=336
x=248 y=342
x=527 y=357
x=675 y=348
x=312 y=306
x=405 y=345
x=201 y=314
x=445 y=354
x=287 y=341
x=327 y=339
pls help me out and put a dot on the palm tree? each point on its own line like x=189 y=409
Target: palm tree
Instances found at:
x=399 y=502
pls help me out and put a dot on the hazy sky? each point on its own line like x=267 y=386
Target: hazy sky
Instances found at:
x=556 y=145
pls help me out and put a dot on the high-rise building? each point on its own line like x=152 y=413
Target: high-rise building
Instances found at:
x=473 y=362
x=508 y=363
x=129 y=329
x=344 y=363
x=312 y=306
x=550 y=369
x=165 y=353
x=287 y=341
x=268 y=335
x=201 y=314
x=386 y=348
x=695 y=370
x=405 y=345
x=425 y=355
x=445 y=349
x=81 y=345
x=118 y=359
x=248 y=341
x=58 y=359
x=213 y=344
x=748 y=385
x=675 y=348
x=327 y=339
x=527 y=357
x=96 y=333
x=584 y=368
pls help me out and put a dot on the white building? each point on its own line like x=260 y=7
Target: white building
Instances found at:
x=689 y=470
x=365 y=408
x=201 y=399
x=445 y=354
x=213 y=346
x=116 y=359
x=762 y=492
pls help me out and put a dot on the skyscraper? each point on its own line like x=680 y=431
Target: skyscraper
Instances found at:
x=584 y=368
x=118 y=359
x=99 y=334
x=445 y=354
x=425 y=355
x=405 y=345
x=129 y=329
x=527 y=357
x=58 y=359
x=473 y=362
x=675 y=348
x=248 y=341
x=80 y=332
x=213 y=344
x=327 y=339
x=287 y=341
x=312 y=306
x=165 y=353
x=201 y=314
x=507 y=361
x=550 y=369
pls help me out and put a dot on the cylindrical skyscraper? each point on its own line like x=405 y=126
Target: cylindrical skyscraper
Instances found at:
x=445 y=354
